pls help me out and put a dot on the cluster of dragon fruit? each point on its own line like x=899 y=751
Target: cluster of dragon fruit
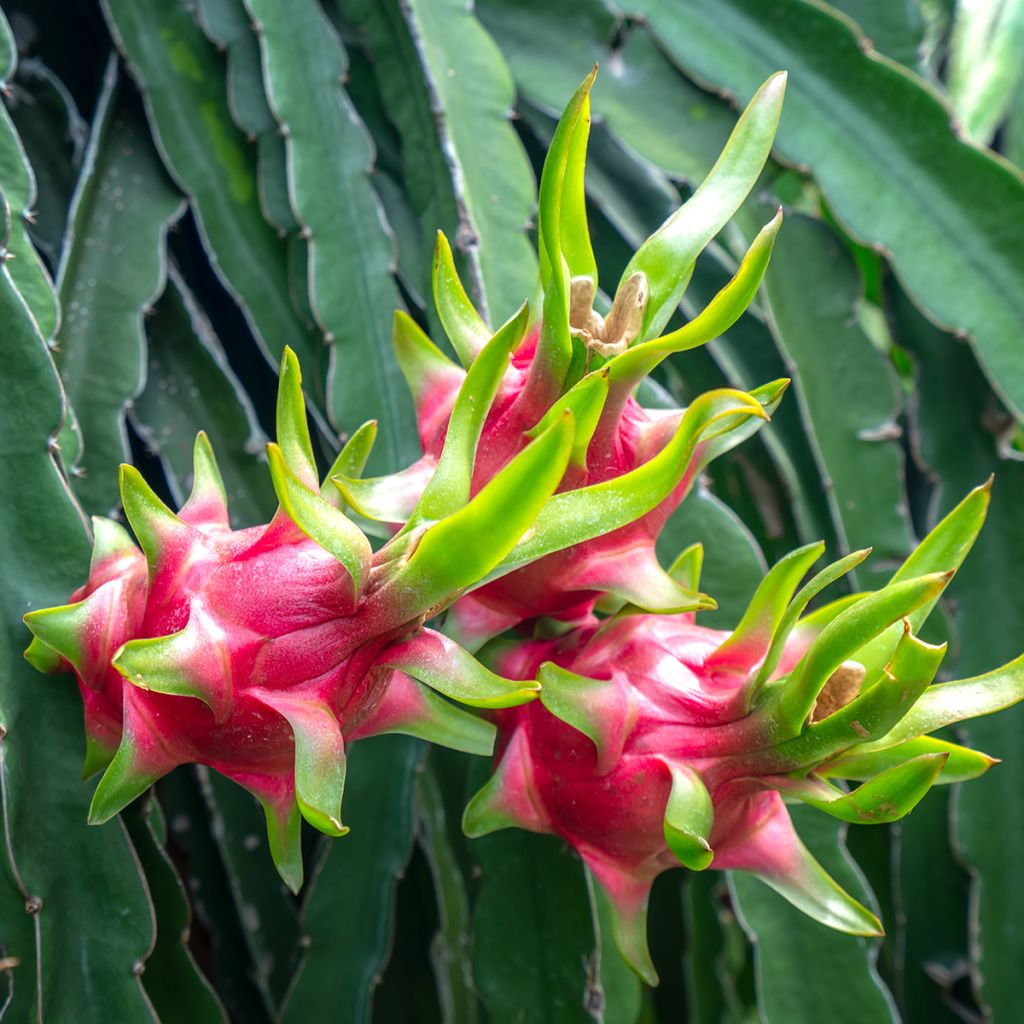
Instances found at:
x=518 y=603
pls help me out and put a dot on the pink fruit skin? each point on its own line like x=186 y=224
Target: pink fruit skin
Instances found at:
x=564 y=584
x=665 y=706
x=272 y=613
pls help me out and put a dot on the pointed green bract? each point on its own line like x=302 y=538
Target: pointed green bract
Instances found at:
x=842 y=638
x=636 y=578
x=157 y=528
x=751 y=639
x=109 y=540
x=943 y=550
x=60 y=631
x=715 y=319
x=449 y=487
x=437 y=720
x=387 y=499
x=319 y=756
x=189 y=663
x=573 y=232
x=809 y=887
x=504 y=800
x=598 y=708
x=576 y=516
x=886 y=797
x=948 y=703
x=97 y=756
x=42 y=658
x=292 y=427
x=320 y=521
x=554 y=348
x=284 y=833
x=799 y=604
x=688 y=817
x=947 y=544
x=208 y=501
x=461 y=549
x=585 y=400
x=667 y=257
x=464 y=326
x=875 y=713
x=351 y=461
x=122 y=782
x=422 y=363
x=685 y=568
x=438 y=661
x=629 y=929
x=961 y=763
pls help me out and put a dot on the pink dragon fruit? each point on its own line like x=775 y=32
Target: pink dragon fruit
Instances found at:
x=261 y=652
x=575 y=358
x=660 y=742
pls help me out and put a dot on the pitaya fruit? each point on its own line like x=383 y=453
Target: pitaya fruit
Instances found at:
x=261 y=652
x=659 y=742
x=574 y=358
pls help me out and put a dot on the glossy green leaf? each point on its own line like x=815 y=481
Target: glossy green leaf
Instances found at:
x=229 y=26
x=984 y=64
x=733 y=565
x=451 y=950
x=267 y=913
x=58 y=929
x=893 y=27
x=962 y=450
x=844 y=388
x=53 y=135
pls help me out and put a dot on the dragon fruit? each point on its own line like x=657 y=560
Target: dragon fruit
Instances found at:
x=659 y=742
x=575 y=358
x=262 y=652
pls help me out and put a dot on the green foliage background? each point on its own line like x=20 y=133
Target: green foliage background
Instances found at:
x=190 y=186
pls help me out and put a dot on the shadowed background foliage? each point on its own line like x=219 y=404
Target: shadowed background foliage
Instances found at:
x=190 y=186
